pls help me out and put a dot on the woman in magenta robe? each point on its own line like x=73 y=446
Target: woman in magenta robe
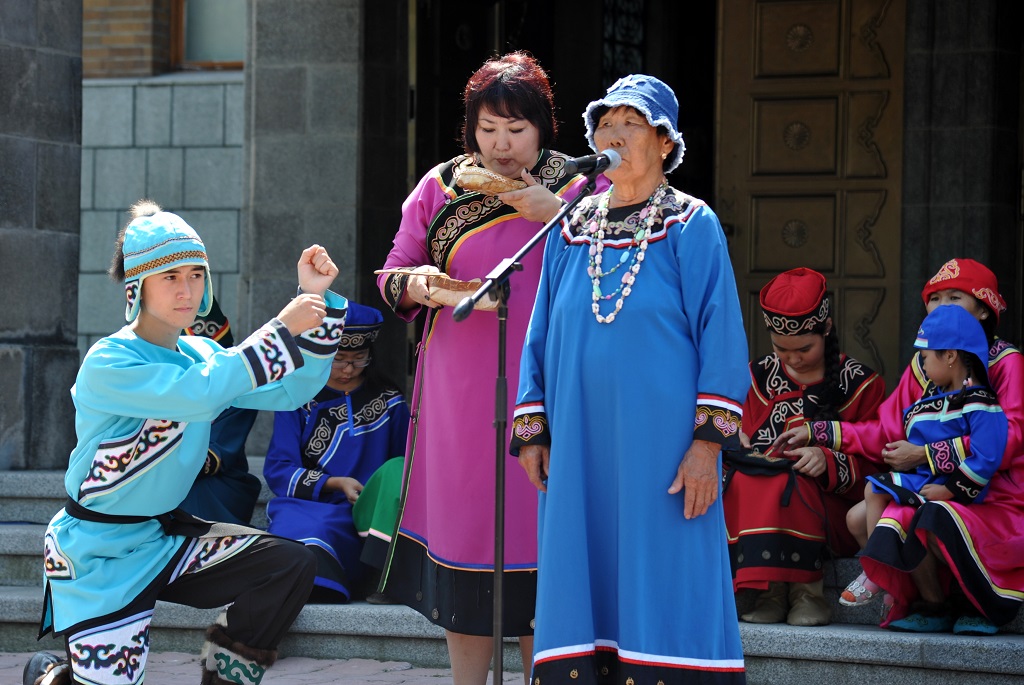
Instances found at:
x=442 y=555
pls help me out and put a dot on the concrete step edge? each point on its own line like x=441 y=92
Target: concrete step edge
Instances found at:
x=832 y=644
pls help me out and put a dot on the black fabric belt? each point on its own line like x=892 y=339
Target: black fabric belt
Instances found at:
x=175 y=522
x=79 y=512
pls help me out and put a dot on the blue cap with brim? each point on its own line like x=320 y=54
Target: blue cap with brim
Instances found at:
x=951 y=327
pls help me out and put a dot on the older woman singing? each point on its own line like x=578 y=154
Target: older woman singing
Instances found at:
x=632 y=379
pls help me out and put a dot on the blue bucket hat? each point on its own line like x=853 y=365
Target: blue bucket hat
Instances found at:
x=950 y=327
x=362 y=324
x=649 y=96
x=157 y=243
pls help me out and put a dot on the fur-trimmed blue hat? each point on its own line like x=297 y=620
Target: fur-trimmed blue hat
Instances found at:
x=649 y=96
x=154 y=244
x=362 y=324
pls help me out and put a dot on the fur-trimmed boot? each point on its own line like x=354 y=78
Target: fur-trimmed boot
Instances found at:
x=227 y=662
x=46 y=669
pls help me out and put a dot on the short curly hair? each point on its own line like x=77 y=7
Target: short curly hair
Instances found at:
x=512 y=86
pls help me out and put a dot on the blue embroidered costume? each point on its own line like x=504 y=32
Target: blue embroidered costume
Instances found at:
x=143 y=416
x=628 y=589
x=336 y=434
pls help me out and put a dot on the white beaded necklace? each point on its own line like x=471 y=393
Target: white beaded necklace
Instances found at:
x=595 y=233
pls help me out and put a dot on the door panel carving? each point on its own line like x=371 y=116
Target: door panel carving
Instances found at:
x=869 y=135
x=809 y=153
x=797 y=38
x=795 y=136
x=793 y=228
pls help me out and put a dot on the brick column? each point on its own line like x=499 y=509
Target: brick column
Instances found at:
x=40 y=134
x=125 y=37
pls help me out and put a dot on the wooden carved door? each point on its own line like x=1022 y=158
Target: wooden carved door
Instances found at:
x=809 y=152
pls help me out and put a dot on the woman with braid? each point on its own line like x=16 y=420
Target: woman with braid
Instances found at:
x=785 y=509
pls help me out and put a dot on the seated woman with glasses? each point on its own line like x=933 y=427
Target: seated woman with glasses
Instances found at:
x=322 y=455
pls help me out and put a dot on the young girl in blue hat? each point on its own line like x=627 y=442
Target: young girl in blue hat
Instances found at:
x=144 y=398
x=958 y=404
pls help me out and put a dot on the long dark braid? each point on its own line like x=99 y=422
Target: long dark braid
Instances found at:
x=831 y=395
x=977 y=371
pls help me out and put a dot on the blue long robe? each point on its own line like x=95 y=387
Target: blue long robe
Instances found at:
x=627 y=587
x=336 y=434
x=142 y=416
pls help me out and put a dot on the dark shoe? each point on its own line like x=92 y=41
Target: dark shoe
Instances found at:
x=46 y=669
x=380 y=598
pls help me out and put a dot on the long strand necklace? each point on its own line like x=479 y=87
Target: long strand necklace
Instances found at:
x=596 y=229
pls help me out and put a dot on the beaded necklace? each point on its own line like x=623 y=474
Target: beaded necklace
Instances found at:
x=595 y=232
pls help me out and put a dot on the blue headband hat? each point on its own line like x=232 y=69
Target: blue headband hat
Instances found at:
x=362 y=324
x=950 y=327
x=157 y=243
x=649 y=96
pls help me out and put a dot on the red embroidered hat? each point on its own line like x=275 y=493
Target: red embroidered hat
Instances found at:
x=971 y=277
x=794 y=302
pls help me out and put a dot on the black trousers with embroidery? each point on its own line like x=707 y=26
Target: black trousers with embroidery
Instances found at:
x=266 y=584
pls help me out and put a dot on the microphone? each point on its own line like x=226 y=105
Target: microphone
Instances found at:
x=606 y=160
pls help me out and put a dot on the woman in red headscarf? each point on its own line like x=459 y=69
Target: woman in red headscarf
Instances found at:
x=781 y=521
x=914 y=554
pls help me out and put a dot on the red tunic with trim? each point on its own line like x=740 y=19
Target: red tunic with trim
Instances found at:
x=781 y=525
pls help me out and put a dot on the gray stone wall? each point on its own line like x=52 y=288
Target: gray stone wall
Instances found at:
x=303 y=103
x=301 y=185
x=176 y=139
x=40 y=159
x=960 y=174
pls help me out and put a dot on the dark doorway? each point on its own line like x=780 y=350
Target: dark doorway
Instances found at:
x=585 y=46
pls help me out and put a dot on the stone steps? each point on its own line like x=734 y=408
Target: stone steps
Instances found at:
x=35 y=496
x=853 y=649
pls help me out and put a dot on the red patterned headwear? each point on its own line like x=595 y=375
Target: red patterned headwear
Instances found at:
x=794 y=302
x=971 y=277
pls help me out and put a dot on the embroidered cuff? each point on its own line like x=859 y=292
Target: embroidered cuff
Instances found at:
x=840 y=474
x=309 y=484
x=271 y=353
x=322 y=341
x=826 y=434
x=212 y=464
x=944 y=456
x=717 y=420
x=529 y=427
x=394 y=289
x=965 y=485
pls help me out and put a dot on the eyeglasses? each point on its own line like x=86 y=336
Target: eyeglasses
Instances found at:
x=355 y=363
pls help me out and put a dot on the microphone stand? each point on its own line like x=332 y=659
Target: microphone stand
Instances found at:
x=497 y=286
